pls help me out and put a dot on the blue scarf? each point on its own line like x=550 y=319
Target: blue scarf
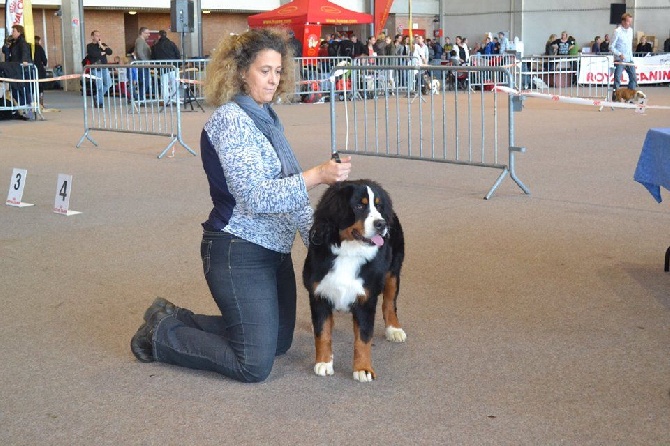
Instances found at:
x=268 y=123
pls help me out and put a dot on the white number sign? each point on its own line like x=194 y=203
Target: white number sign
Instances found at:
x=63 y=191
x=16 y=185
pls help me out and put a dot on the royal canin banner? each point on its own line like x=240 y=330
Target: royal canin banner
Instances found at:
x=649 y=70
x=382 y=10
x=20 y=12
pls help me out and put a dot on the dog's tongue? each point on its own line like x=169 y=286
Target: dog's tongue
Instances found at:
x=377 y=240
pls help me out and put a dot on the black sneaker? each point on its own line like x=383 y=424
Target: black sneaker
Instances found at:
x=142 y=342
x=159 y=304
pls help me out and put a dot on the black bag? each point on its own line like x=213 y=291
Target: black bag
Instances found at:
x=7 y=114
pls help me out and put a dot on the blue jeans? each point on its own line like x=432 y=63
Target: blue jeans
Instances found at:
x=632 y=77
x=102 y=83
x=255 y=291
x=144 y=83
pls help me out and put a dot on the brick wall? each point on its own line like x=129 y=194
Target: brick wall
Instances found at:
x=217 y=25
x=119 y=29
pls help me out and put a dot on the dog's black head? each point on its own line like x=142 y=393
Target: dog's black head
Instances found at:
x=353 y=210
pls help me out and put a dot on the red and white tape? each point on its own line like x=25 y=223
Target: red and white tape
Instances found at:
x=581 y=101
x=50 y=79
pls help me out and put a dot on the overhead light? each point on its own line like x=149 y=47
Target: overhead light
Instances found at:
x=206 y=11
x=132 y=12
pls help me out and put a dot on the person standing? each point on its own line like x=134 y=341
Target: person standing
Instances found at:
x=40 y=58
x=504 y=42
x=295 y=44
x=143 y=53
x=164 y=48
x=605 y=44
x=564 y=44
x=19 y=52
x=622 y=48
x=643 y=46
x=260 y=201
x=419 y=60
x=97 y=53
x=595 y=48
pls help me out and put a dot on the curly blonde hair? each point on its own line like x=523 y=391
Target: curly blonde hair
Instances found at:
x=234 y=55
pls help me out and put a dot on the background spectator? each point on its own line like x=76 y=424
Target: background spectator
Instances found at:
x=595 y=48
x=550 y=48
x=143 y=52
x=164 y=48
x=564 y=44
x=40 y=59
x=605 y=45
x=643 y=46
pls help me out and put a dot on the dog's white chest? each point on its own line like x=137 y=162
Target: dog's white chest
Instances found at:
x=342 y=285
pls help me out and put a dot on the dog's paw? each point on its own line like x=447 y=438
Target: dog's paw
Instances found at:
x=395 y=334
x=324 y=368
x=364 y=376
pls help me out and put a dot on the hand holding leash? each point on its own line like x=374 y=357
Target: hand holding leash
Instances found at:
x=332 y=171
x=341 y=166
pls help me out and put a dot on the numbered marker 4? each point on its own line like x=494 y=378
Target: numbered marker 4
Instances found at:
x=63 y=191
x=16 y=185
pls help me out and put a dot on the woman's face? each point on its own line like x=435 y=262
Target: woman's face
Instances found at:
x=262 y=77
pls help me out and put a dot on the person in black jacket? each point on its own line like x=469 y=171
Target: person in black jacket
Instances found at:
x=164 y=48
x=19 y=52
x=96 y=53
x=40 y=58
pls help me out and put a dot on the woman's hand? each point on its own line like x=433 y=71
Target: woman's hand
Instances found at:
x=328 y=173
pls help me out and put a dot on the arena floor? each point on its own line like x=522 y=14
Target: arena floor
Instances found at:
x=531 y=319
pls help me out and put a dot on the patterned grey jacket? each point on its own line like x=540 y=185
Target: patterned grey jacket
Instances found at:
x=268 y=209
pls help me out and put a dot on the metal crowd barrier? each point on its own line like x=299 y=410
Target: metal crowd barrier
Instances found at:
x=22 y=93
x=156 y=111
x=368 y=82
x=485 y=79
x=438 y=121
x=312 y=76
x=560 y=75
x=192 y=71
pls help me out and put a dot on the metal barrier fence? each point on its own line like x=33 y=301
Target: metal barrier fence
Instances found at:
x=192 y=71
x=486 y=79
x=313 y=76
x=559 y=75
x=438 y=121
x=21 y=92
x=111 y=105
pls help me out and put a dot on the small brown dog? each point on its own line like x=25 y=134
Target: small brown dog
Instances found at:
x=625 y=94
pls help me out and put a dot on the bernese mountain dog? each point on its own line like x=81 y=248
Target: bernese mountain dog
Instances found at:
x=355 y=254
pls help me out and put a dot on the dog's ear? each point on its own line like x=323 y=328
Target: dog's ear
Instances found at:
x=321 y=233
x=335 y=205
x=332 y=213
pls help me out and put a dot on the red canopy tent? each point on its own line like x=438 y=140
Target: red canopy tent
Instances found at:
x=301 y=12
x=305 y=18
